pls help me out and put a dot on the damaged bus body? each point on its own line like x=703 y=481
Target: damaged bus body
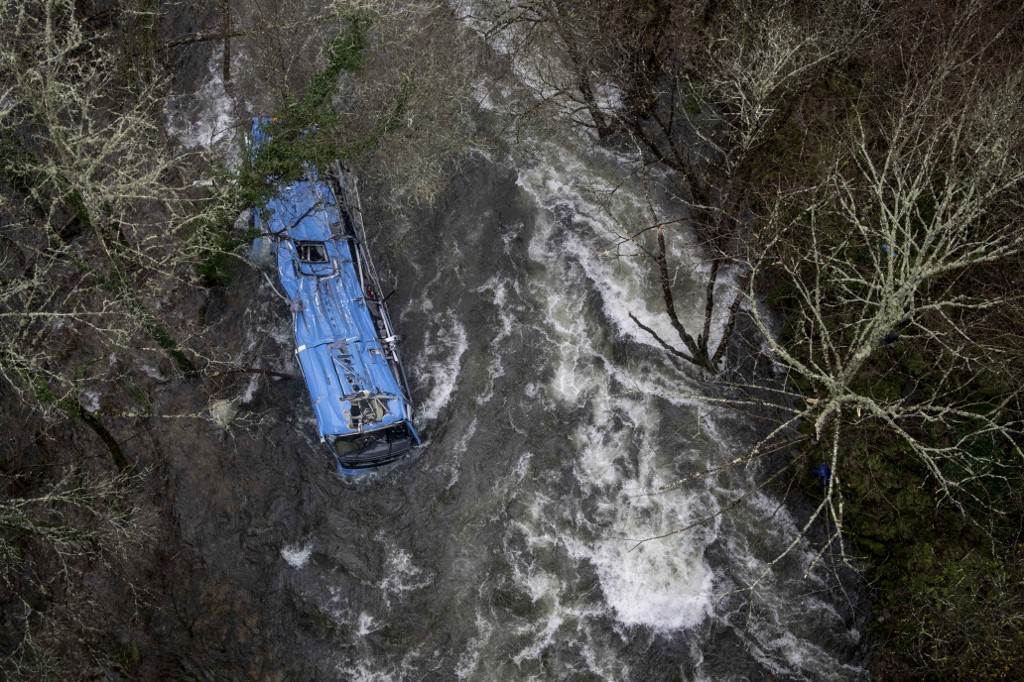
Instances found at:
x=345 y=343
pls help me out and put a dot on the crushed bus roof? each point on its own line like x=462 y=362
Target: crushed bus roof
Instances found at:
x=344 y=341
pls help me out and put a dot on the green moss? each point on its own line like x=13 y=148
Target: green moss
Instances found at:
x=139 y=395
x=951 y=612
x=947 y=587
x=916 y=362
x=126 y=655
x=213 y=243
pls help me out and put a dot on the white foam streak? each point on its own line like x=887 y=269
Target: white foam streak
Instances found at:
x=401 y=575
x=206 y=120
x=469 y=661
x=626 y=283
x=366 y=625
x=495 y=369
x=542 y=73
x=664 y=584
x=297 y=555
x=442 y=359
x=250 y=389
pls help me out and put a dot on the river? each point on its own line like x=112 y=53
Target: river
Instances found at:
x=508 y=549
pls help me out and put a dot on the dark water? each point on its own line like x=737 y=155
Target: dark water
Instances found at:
x=504 y=551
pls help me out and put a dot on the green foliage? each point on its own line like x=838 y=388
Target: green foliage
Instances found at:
x=951 y=610
x=215 y=265
x=948 y=587
x=126 y=655
x=307 y=133
x=212 y=239
x=308 y=130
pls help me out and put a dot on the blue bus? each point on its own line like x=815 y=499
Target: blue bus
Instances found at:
x=344 y=340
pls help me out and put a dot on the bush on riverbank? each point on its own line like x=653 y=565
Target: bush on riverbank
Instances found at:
x=948 y=588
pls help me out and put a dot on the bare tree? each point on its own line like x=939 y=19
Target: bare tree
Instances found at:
x=701 y=88
x=887 y=253
x=99 y=223
x=894 y=257
x=48 y=538
x=721 y=106
x=878 y=253
x=102 y=227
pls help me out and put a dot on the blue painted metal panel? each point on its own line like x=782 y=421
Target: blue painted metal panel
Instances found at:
x=344 y=341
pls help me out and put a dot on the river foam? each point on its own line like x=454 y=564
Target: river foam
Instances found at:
x=632 y=420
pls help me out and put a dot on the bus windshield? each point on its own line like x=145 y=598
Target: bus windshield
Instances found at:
x=373 y=449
